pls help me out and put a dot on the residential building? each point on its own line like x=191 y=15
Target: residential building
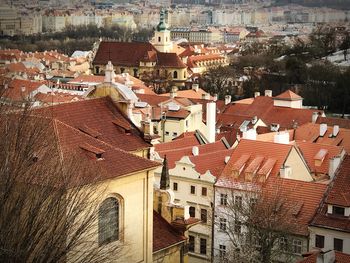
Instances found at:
x=329 y=228
x=193 y=171
x=279 y=171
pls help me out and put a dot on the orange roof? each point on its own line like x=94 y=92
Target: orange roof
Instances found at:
x=190 y=94
x=311 y=132
x=15 y=92
x=311 y=151
x=288 y=95
x=56 y=97
x=249 y=153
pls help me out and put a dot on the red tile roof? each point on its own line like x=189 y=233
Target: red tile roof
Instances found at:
x=132 y=53
x=342 y=123
x=99 y=115
x=15 y=92
x=263 y=108
x=164 y=234
x=311 y=131
x=190 y=94
x=176 y=154
x=311 y=150
x=122 y=53
x=339 y=258
x=338 y=195
x=246 y=153
x=153 y=100
x=115 y=162
x=185 y=142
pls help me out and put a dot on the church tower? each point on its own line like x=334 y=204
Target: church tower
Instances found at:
x=162 y=40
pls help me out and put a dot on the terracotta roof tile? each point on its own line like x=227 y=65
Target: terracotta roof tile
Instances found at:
x=310 y=152
x=342 y=123
x=99 y=115
x=164 y=234
x=288 y=95
x=339 y=257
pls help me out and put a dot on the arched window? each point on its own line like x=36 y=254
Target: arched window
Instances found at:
x=108 y=221
x=192 y=211
x=175 y=74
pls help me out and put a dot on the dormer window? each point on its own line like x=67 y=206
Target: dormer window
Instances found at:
x=337 y=210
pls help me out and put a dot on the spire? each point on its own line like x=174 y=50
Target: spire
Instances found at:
x=162 y=25
x=164 y=178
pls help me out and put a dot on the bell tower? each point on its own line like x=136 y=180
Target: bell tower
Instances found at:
x=162 y=40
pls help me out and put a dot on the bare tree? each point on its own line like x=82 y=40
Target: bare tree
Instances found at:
x=48 y=212
x=255 y=223
x=219 y=81
x=159 y=79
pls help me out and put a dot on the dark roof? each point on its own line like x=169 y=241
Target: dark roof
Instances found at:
x=122 y=53
x=164 y=234
x=342 y=123
x=131 y=53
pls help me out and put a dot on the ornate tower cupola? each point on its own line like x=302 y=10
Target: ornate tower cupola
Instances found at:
x=162 y=35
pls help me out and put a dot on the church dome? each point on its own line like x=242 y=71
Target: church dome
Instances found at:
x=162 y=26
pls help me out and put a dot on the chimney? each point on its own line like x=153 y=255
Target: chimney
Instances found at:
x=268 y=93
x=206 y=96
x=323 y=129
x=314 y=117
x=109 y=73
x=227 y=99
x=215 y=97
x=281 y=137
x=23 y=89
x=335 y=130
x=195 y=87
x=256 y=94
x=326 y=257
x=333 y=165
x=172 y=94
x=195 y=150
x=211 y=121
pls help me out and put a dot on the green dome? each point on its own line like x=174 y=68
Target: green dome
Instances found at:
x=162 y=25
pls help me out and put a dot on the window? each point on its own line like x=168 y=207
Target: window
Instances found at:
x=108 y=221
x=238 y=226
x=191 y=243
x=203 y=246
x=204 y=215
x=222 y=251
x=97 y=70
x=338 y=244
x=319 y=241
x=175 y=74
x=297 y=244
x=283 y=243
x=135 y=72
x=193 y=189
x=204 y=191
x=223 y=199
x=166 y=133
x=192 y=211
x=175 y=186
x=122 y=70
x=238 y=201
x=159 y=39
x=337 y=210
x=175 y=134
x=223 y=222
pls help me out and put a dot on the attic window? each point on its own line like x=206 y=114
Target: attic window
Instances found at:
x=123 y=125
x=86 y=129
x=92 y=149
x=337 y=210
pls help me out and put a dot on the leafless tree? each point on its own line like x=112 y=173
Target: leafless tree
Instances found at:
x=159 y=79
x=220 y=81
x=256 y=225
x=48 y=213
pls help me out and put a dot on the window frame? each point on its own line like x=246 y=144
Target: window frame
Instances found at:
x=319 y=241
x=341 y=241
x=103 y=236
x=190 y=209
x=192 y=187
x=223 y=199
x=222 y=224
x=205 y=191
x=191 y=243
x=203 y=245
x=297 y=245
x=175 y=186
x=335 y=210
x=204 y=215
